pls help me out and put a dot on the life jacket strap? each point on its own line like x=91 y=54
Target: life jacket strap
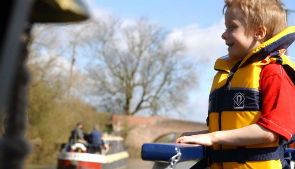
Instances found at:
x=242 y=155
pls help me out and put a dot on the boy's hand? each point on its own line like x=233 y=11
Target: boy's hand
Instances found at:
x=203 y=139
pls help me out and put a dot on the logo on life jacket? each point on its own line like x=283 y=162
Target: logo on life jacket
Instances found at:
x=239 y=100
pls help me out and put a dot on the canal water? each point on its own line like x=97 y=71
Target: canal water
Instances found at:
x=131 y=164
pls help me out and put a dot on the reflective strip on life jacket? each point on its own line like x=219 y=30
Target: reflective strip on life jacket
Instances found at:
x=241 y=99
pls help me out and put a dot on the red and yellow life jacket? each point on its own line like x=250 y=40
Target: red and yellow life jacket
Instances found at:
x=235 y=102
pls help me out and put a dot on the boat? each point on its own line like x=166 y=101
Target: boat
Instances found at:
x=77 y=155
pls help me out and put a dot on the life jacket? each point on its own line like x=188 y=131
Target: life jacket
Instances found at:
x=235 y=102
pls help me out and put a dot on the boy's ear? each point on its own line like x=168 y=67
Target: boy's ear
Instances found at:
x=260 y=33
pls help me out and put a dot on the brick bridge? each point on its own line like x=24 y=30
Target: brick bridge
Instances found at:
x=148 y=129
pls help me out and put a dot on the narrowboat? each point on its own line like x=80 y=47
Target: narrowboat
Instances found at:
x=78 y=155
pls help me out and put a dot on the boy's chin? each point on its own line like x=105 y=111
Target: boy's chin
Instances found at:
x=232 y=56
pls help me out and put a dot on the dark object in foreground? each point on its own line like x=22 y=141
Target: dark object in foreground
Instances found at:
x=17 y=19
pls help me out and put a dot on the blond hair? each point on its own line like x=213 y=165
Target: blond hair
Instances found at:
x=268 y=13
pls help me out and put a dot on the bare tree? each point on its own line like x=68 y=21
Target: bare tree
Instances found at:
x=136 y=68
x=53 y=53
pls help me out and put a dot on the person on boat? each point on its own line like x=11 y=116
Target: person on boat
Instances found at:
x=251 y=104
x=96 y=141
x=77 y=135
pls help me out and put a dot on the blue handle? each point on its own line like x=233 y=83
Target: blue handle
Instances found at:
x=164 y=151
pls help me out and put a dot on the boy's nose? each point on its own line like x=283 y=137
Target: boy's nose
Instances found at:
x=224 y=36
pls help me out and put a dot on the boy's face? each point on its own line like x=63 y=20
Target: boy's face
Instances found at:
x=239 y=43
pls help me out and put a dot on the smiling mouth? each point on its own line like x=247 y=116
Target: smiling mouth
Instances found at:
x=229 y=44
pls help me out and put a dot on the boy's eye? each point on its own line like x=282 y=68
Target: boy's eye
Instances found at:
x=231 y=27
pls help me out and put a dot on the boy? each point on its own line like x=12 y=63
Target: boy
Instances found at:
x=251 y=103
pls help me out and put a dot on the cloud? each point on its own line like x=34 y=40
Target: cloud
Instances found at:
x=57 y=65
x=97 y=13
x=202 y=43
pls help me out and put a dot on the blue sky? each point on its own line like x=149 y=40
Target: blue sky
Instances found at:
x=172 y=13
x=198 y=23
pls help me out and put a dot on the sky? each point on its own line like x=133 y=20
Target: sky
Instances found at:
x=198 y=23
